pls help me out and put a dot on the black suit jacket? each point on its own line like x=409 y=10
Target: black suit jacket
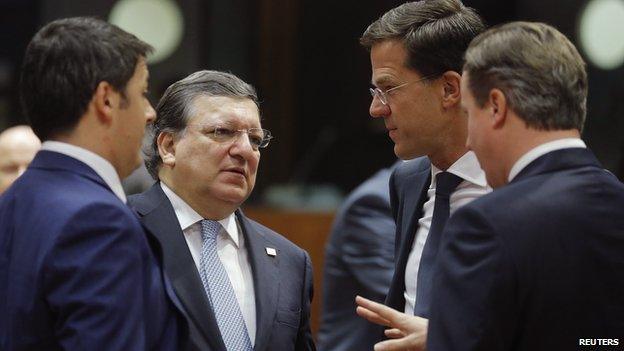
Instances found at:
x=282 y=284
x=535 y=265
x=408 y=193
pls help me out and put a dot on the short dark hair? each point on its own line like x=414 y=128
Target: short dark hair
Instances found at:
x=175 y=107
x=63 y=65
x=435 y=33
x=538 y=69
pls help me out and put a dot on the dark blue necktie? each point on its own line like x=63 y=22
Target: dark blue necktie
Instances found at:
x=445 y=185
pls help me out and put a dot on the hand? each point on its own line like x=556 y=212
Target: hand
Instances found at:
x=407 y=333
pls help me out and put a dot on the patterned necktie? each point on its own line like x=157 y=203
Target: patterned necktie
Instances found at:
x=220 y=292
x=445 y=185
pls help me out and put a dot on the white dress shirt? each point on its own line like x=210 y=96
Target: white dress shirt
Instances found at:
x=473 y=186
x=541 y=150
x=231 y=251
x=99 y=164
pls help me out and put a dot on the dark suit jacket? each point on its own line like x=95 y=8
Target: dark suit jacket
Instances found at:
x=535 y=265
x=282 y=284
x=76 y=268
x=359 y=260
x=408 y=193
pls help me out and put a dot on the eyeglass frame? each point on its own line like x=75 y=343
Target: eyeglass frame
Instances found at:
x=382 y=95
x=212 y=133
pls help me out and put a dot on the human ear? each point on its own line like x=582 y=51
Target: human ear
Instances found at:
x=451 y=89
x=103 y=100
x=498 y=107
x=166 y=148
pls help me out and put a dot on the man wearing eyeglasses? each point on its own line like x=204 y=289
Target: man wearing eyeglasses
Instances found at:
x=416 y=52
x=244 y=286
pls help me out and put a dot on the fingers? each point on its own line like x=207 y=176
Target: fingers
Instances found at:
x=394 y=333
x=384 y=312
x=408 y=343
x=371 y=316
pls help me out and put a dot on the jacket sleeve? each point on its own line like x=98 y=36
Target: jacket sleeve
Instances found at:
x=305 y=342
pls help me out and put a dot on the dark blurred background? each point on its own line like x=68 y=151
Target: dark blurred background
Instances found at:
x=312 y=76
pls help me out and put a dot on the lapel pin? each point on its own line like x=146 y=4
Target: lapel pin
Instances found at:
x=271 y=251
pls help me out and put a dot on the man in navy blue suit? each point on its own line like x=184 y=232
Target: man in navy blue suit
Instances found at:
x=244 y=286
x=537 y=264
x=76 y=269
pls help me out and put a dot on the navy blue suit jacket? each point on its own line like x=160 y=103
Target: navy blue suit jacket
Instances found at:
x=408 y=193
x=76 y=269
x=282 y=283
x=359 y=260
x=536 y=264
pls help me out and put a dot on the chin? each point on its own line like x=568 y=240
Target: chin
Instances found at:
x=404 y=154
x=234 y=196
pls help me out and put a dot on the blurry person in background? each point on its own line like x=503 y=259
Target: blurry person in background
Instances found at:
x=77 y=271
x=416 y=52
x=244 y=286
x=18 y=146
x=359 y=260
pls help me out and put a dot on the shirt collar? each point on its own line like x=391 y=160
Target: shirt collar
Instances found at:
x=100 y=165
x=541 y=150
x=187 y=216
x=466 y=167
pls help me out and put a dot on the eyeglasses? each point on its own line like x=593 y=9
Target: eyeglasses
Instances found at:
x=383 y=95
x=258 y=138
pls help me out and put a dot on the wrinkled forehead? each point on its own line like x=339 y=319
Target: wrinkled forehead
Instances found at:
x=224 y=110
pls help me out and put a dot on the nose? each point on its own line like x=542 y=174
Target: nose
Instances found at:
x=241 y=146
x=378 y=109
x=150 y=114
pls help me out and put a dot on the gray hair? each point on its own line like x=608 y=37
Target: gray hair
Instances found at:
x=176 y=106
x=538 y=69
x=435 y=33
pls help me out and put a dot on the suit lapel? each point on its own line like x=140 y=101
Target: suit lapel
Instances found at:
x=266 y=279
x=414 y=204
x=412 y=209
x=161 y=221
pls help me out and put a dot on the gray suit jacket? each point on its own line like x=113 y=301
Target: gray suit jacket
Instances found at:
x=282 y=284
x=359 y=260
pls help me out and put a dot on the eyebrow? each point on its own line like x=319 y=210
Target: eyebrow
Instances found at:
x=385 y=79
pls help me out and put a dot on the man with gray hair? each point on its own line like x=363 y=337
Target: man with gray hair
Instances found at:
x=537 y=264
x=416 y=52
x=244 y=286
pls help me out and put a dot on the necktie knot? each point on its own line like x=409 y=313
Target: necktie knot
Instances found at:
x=446 y=183
x=209 y=229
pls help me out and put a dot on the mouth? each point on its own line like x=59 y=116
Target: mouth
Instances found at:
x=236 y=170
